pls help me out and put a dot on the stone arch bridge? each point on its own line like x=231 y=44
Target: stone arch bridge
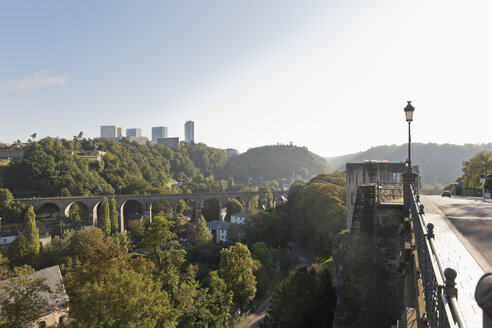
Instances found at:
x=92 y=202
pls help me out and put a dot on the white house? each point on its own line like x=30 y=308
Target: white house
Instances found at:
x=239 y=218
x=218 y=229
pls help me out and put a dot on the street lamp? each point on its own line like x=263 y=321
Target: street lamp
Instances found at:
x=409 y=117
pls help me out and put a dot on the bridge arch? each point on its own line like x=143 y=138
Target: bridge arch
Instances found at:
x=48 y=209
x=78 y=210
x=129 y=211
x=187 y=207
x=210 y=208
x=161 y=205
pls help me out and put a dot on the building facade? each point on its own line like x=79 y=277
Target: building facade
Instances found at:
x=169 y=142
x=190 y=132
x=109 y=131
x=239 y=218
x=159 y=132
x=133 y=132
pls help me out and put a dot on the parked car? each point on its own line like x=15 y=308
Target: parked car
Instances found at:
x=446 y=193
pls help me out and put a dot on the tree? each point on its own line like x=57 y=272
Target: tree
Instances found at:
x=33 y=136
x=236 y=268
x=211 y=209
x=233 y=206
x=26 y=245
x=253 y=205
x=269 y=200
x=305 y=299
x=20 y=300
x=126 y=299
x=182 y=207
x=202 y=236
x=481 y=163
x=113 y=216
x=230 y=183
x=103 y=219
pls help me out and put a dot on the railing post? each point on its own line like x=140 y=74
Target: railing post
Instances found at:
x=408 y=180
x=483 y=296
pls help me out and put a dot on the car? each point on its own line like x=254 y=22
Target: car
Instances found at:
x=446 y=193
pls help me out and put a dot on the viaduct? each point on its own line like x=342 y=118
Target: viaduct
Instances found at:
x=146 y=201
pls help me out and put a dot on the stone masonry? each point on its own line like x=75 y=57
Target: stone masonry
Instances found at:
x=369 y=281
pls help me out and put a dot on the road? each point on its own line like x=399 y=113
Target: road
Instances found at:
x=472 y=218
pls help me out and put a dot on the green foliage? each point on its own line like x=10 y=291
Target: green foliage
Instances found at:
x=126 y=299
x=233 y=206
x=266 y=274
x=274 y=163
x=253 y=205
x=182 y=208
x=211 y=209
x=103 y=219
x=20 y=300
x=481 y=163
x=236 y=268
x=113 y=216
x=318 y=213
x=305 y=299
x=26 y=245
x=202 y=236
x=10 y=210
x=269 y=200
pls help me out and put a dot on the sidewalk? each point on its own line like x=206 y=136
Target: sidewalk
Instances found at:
x=455 y=255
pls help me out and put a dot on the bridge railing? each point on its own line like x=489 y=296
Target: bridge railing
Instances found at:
x=438 y=283
x=388 y=191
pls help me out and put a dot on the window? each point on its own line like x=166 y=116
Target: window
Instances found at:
x=352 y=197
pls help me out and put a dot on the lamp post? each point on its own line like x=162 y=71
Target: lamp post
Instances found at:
x=408 y=176
x=409 y=117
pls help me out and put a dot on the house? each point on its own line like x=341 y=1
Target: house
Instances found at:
x=8 y=237
x=56 y=298
x=239 y=218
x=218 y=229
x=281 y=200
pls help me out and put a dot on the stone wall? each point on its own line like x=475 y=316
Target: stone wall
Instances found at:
x=367 y=259
x=370 y=172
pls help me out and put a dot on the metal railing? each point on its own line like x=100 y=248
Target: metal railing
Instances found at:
x=440 y=294
x=388 y=191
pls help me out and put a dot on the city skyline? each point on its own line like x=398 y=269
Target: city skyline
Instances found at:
x=321 y=74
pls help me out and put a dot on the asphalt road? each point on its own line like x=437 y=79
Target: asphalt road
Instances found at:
x=472 y=218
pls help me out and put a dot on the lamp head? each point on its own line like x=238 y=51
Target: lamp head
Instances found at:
x=409 y=111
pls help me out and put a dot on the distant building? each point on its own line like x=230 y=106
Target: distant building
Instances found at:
x=133 y=132
x=159 y=132
x=190 y=132
x=119 y=132
x=231 y=152
x=169 y=142
x=110 y=132
x=8 y=237
x=140 y=140
x=218 y=230
x=239 y=218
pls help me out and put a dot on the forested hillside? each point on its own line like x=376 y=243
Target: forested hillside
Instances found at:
x=276 y=162
x=54 y=167
x=437 y=163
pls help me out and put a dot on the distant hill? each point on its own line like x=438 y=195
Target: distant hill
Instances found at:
x=437 y=163
x=275 y=162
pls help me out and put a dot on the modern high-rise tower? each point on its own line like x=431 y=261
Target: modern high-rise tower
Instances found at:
x=159 y=132
x=133 y=132
x=190 y=132
x=110 y=132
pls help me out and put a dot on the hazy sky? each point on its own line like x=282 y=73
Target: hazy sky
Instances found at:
x=330 y=75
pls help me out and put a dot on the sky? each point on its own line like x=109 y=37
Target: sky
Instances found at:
x=333 y=76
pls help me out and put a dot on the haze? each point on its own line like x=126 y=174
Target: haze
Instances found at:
x=330 y=75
